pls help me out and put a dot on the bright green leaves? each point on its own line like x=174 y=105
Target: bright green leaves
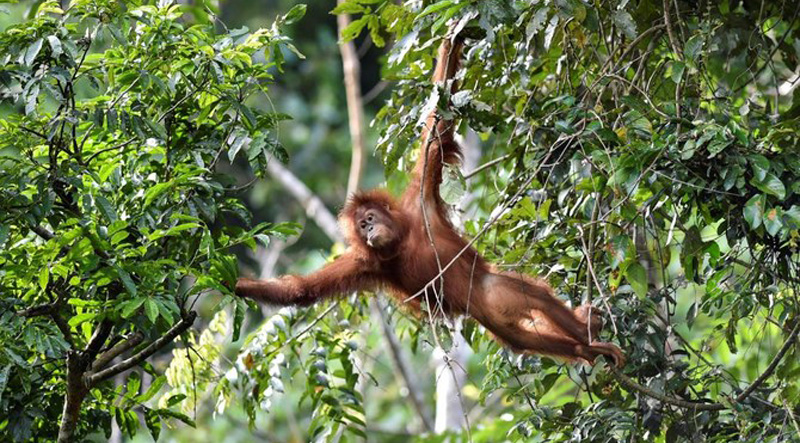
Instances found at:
x=771 y=185
x=127 y=281
x=116 y=119
x=637 y=277
x=765 y=180
x=226 y=268
x=692 y=49
x=294 y=15
x=754 y=211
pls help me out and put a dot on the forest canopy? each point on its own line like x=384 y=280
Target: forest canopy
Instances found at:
x=640 y=155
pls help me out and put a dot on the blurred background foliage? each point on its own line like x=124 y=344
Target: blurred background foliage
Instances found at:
x=642 y=155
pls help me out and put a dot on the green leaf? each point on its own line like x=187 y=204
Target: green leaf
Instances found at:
x=44 y=277
x=106 y=208
x=182 y=227
x=80 y=318
x=754 y=211
x=32 y=51
x=174 y=414
x=771 y=185
x=4 y=230
x=625 y=22
x=692 y=48
x=773 y=220
x=677 y=71
x=175 y=399
x=155 y=192
x=4 y=380
x=375 y=31
x=435 y=7
x=637 y=277
x=151 y=310
x=792 y=217
x=55 y=45
x=350 y=7
x=296 y=13
x=760 y=166
x=239 y=310
x=131 y=306
x=354 y=28
x=126 y=279
x=155 y=386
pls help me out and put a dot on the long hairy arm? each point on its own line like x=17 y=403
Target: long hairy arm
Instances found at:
x=438 y=145
x=345 y=274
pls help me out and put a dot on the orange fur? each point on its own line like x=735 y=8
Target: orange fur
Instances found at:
x=417 y=240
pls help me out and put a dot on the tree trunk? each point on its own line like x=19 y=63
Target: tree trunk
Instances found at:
x=76 y=392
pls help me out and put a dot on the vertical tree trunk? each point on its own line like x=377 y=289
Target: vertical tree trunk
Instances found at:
x=355 y=108
x=73 y=399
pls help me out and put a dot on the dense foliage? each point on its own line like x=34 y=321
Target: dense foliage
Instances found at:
x=651 y=164
x=641 y=155
x=113 y=217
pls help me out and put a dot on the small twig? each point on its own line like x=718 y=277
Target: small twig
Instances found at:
x=670 y=32
x=34 y=132
x=773 y=365
x=119 y=146
x=487 y=165
x=630 y=383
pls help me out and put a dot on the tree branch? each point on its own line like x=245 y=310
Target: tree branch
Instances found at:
x=313 y=205
x=355 y=107
x=773 y=365
x=103 y=359
x=630 y=383
x=38 y=310
x=42 y=232
x=401 y=366
x=168 y=337
x=98 y=338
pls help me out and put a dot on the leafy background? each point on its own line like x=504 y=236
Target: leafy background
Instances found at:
x=642 y=155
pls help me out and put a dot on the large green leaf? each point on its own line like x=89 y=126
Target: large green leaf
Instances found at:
x=754 y=211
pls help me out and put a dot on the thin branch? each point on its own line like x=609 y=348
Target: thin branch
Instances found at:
x=42 y=232
x=62 y=326
x=103 y=359
x=179 y=328
x=119 y=146
x=773 y=365
x=670 y=32
x=401 y=366
x=487 y=165
x=376 y=90
x=36 y=133
x=630 y=383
